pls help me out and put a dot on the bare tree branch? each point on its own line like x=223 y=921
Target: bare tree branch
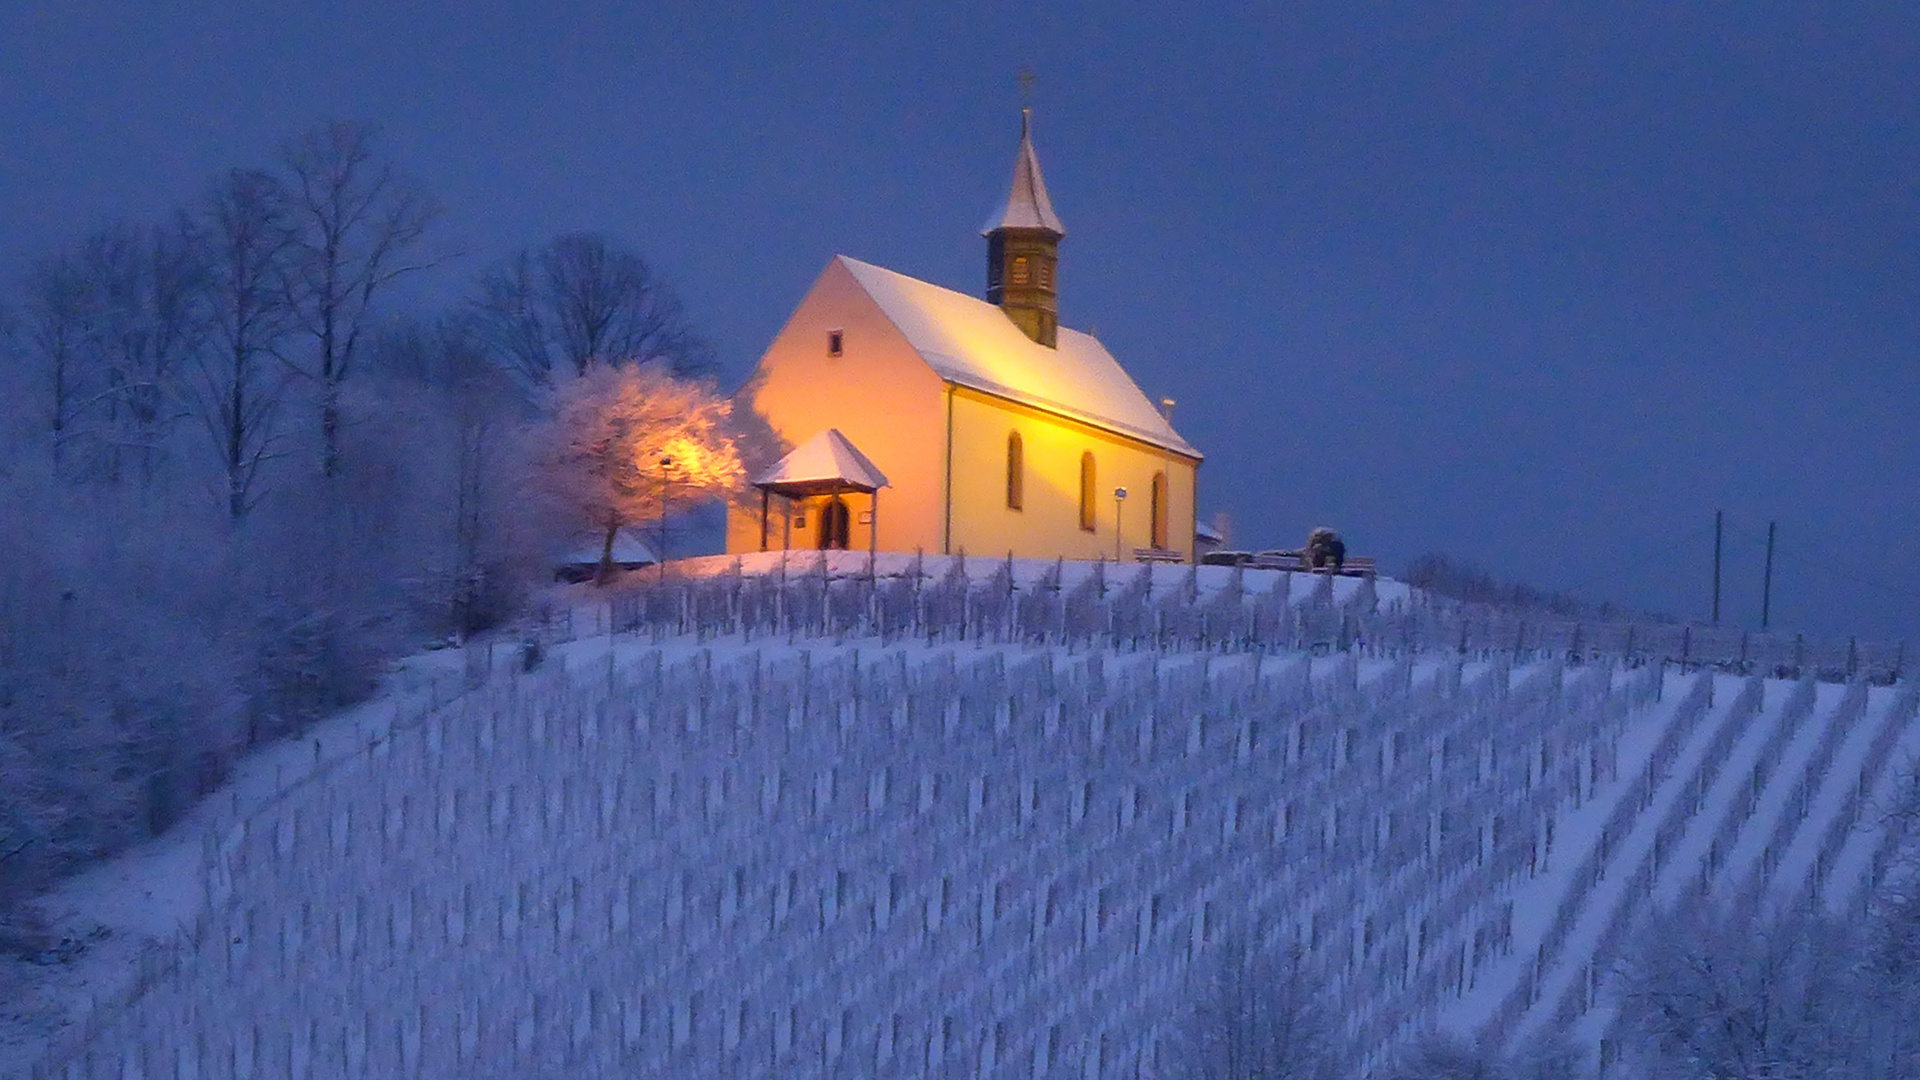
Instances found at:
x=355 y=218
x=246 y=243
x=579 y=302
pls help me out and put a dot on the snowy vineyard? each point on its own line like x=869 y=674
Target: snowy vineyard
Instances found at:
x=730 y=853
x=1033 y=601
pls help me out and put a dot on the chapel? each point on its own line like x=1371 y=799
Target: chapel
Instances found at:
x=926 y=418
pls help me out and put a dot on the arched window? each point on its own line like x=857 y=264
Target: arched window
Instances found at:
x=1019 y=269
x=1160 y=510
x=1087 y=485
x=1016 y=472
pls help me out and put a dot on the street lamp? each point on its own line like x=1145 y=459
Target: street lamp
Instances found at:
x=1165 y=509
x=1119 y=497
x=666 y=480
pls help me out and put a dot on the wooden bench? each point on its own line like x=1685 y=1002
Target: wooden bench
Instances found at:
x=1353 y=566
x=1158 y=555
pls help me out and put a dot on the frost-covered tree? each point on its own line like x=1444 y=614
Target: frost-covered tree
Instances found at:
x=53 y=344
x=1438 y=1056
x=1443 y=1056
x=624 y=443
x=435 y=392
x=117 y=695
x=147 y=318
x=1255 y=1015
x=581 y=301
x=1707 y=996
x=111 y=323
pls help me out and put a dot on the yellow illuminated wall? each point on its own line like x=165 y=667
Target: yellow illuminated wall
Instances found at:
x=879 y=394
x=891 y=405
x=1048 y=521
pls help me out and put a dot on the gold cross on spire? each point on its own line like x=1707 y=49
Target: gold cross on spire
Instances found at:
x=1026 y=85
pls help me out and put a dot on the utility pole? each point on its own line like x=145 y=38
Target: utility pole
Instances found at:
x=1719 y=518
x=1766 y=588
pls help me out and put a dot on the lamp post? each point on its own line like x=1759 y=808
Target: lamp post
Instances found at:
x=1166 y=491
x=666 y=481
x=1119 y=499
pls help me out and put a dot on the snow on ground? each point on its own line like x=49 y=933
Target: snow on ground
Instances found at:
x=1564 y=874
x=1027 y=573
x=802 y=857
x=127 y=913
x=1754 y=843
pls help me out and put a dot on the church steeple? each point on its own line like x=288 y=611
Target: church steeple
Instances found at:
x=1023 y=248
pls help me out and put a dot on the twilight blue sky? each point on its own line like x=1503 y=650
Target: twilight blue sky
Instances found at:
x=1539 y=283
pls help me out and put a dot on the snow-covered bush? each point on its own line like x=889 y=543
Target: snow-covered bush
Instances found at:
x=117 y=708
x=1255 y=1014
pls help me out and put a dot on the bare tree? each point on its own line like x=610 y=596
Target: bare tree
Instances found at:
x=461 y=435
x=146 y=319
x=245 y=241
x=1709 y=997
x=357 y=224
x=57 y=324
x=1256 y=1016
x=580 y=301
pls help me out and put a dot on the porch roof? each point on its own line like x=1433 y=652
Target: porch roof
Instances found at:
x=826 y=464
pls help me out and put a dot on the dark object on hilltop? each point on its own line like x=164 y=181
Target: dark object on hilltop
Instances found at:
x=1227 y=558
x=1325 y=548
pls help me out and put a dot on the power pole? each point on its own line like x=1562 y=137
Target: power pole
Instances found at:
x=1719 y=518
x=1766 y=588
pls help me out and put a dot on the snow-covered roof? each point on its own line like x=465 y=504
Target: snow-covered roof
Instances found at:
x=628 y=548
x=972 y=343
x=1027 y=205
x=1204 y=531
x=828 y=461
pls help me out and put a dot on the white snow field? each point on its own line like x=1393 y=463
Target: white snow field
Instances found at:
x=984 y=823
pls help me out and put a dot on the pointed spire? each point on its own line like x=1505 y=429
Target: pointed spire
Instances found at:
x=1027 y=205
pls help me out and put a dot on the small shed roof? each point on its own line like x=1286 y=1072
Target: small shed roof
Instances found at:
x=628 y=550
x=826 y=463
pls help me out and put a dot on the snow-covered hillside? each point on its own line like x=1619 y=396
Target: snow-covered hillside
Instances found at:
x=965 y=845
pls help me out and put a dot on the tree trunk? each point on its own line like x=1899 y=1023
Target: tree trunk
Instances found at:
x=606 y=550
x=330 y=430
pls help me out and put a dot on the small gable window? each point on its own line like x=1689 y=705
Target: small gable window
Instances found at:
x=1087 y=486
x=1016 y=472
x=836 y=342
x=1019 y=269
